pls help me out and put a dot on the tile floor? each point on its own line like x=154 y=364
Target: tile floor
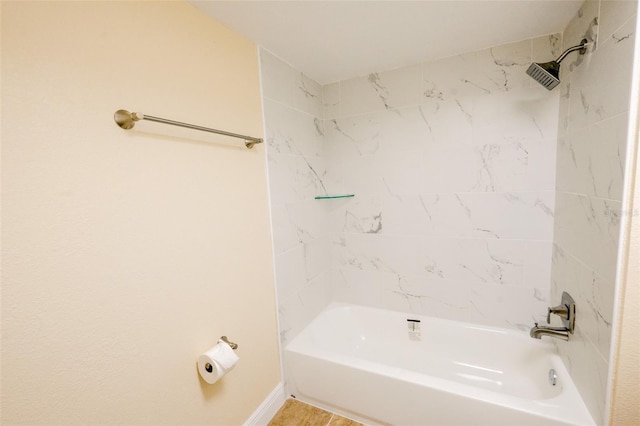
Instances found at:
x=296 y=413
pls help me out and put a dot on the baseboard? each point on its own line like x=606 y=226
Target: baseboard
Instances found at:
x=269 y=407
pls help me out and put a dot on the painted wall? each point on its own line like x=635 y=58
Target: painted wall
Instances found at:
x=594 y=114
x=126 y=254
x=452 y=164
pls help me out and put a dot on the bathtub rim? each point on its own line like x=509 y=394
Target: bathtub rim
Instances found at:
x=553 y=408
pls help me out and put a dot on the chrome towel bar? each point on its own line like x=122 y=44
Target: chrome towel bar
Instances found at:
x=127 y=120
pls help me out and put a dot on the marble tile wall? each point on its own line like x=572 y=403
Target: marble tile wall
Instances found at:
x=292 y=105
x=453 y=167
x=592 y=133
x=479 y=195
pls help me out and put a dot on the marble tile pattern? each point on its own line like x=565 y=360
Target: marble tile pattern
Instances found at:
x=453 y=167
x=294 y=136
x=593 y=120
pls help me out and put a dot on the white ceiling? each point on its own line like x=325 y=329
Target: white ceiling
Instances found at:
x=335 y=40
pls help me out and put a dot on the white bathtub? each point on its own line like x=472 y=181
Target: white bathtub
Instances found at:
x=360 y=362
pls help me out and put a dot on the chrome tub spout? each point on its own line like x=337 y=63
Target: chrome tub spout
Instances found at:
x=537 y=331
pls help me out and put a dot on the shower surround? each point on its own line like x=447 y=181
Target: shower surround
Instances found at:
x=592 y=138
x=452 y=164
x=457 y=212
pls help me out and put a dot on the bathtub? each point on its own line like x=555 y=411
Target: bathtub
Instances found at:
x=382 y=367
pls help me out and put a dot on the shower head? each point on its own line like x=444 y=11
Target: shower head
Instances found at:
x=548 y=73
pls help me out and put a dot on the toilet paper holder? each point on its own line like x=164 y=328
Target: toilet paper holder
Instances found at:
x=233 y=346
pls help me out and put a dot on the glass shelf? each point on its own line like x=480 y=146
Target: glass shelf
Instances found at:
x=331 y=197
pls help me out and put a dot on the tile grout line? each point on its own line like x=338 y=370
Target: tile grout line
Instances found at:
x=330 y=419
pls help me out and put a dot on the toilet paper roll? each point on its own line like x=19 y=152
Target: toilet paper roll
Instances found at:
x=216 y=362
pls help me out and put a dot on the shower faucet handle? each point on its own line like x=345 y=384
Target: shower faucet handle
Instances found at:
x=566 y=311
x=561 y=310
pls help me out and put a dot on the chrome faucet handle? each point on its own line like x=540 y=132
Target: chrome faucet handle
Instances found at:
x=561 y=310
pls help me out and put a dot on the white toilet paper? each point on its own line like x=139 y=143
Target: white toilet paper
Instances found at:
x=216 y=362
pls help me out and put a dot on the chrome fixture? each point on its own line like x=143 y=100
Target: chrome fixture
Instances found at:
x=537 y=331
x=548 y=73
x=567 y=312
x=553 y=377
x=233 y=346
x=127 y=120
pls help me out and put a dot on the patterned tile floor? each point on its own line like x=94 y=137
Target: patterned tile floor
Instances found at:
x=296 y=413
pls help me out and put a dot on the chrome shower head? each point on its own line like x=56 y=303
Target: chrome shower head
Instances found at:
x=548 y=73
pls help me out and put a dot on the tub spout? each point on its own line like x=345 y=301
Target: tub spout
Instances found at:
x=537 y=331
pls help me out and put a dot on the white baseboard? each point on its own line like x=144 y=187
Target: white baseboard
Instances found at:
x=269 y=407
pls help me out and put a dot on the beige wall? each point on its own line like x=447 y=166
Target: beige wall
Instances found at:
x=126 y=254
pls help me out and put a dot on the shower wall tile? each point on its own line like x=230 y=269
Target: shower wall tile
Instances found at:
x=466 y=174
x=606 y=148
x=546 y=48
x=581 y=25
x=580 y=357
x=451 y=79
x=307 y=95
x=589 y=228
x=514 y=166
x=277 y=78
x=405 y=130
x=530 y=215
x=352 y=137
x=502 y=68
x=331 y=101
x=613 y=14
x=296 y=311
x=600 y=85
x=381 y=91
x=369 y=288
x=408 y=293
x=363 y=176
x=590 y=172
x=474 y=261
x=284 y=84
x=537 y=272
x=290 y=271
x=586 y=354
x=294 y=130
x=454 y=206
x=447 y=122
x=444 y=215
x=518 y=114
x=316 y=257
x=286 y=235
x=297 y=178
x=309 y=222
x=592 y=159
x=598 y=294
x=291 y=131
x=363 y=216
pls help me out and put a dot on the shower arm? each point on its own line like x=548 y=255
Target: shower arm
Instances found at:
x=582 y=47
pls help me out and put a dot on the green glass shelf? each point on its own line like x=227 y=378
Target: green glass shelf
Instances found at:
x=332 y=197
